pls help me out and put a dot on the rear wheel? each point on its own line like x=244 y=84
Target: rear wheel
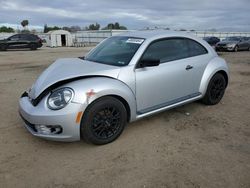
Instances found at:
x=33 y=46
x=215 y=90
x=103 y=121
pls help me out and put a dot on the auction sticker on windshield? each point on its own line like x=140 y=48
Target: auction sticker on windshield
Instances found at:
x=135 y=40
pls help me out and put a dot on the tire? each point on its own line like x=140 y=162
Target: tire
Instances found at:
x=215 y=90
x=236 y=48
x=33 y=46
x=3 y=47
x=103 y=121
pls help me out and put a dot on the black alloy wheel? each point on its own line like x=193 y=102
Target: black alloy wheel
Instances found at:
x=216 y=89
x=103 y=121
x=3 y=47
x=106 y=122
x=33 y=46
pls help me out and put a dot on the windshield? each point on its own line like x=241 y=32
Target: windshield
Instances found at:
x=232 y=39
x=117 y=50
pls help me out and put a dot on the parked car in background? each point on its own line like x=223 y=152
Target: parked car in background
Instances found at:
x=233 y=44
x=21 y=41
x=123 y=79
x=212 y=40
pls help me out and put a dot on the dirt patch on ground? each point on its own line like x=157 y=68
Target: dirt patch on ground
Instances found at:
x=245 y=73
x=191 y=146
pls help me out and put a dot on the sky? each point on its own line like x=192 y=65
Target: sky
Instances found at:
x=222 y=15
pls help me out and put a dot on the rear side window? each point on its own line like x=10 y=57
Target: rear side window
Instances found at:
x=33 y=37
x=173 y=49
x=24 y=37
x=28 y=37
x=195 y=48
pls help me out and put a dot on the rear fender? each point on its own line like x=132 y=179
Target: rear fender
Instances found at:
x=215 y=65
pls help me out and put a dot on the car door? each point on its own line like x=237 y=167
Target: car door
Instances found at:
x=245 y=43
x=177 y=78
x=24 y=41
x=242 y=44
x=13 y=41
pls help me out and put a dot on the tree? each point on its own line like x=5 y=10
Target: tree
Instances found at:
x=66 y=28
x=46 y=29
x=25 y=23
x=115 y=25
x=25 y=31
x=33 y=31
x=95 y=26
x=5 y=29
x=123 y=27
x=75 y=28
x=110 y=26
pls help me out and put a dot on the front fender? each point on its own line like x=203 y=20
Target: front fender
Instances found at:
x=88 y=90
x=215 y=65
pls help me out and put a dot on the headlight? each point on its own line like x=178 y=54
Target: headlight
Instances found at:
x=231 y=45
x=59 y=98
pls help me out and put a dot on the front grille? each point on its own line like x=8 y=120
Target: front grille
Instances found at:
x=30 y=125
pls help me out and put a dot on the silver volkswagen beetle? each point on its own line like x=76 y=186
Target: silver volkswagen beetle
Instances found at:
x=123 y=79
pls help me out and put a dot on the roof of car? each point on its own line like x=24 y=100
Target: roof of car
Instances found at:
x=154 y=33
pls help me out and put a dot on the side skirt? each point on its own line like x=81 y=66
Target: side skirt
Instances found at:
x=168 y=105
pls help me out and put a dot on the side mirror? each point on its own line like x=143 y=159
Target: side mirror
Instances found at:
x=148 y=63
x=83 y=57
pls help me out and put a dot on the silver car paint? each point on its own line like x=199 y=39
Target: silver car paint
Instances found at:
x=144 y=92
x=42 y=115
x=64 y=69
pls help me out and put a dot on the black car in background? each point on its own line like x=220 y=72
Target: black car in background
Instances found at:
x=233 y=44
x=212 y=40
x=21 y=41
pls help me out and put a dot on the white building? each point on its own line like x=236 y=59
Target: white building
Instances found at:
x=59 y=38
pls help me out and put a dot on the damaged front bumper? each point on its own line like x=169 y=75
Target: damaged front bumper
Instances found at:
x=58 y=125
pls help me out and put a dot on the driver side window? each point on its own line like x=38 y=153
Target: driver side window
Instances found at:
x=167 y=50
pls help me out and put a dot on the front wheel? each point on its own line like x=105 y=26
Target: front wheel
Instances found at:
x=215 y=90
x=236 y=48
x=103 y=121
x=3 y=47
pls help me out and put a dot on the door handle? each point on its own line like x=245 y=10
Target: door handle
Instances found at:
x=189 y=67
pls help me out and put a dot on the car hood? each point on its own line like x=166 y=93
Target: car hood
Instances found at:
x=69 y=68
